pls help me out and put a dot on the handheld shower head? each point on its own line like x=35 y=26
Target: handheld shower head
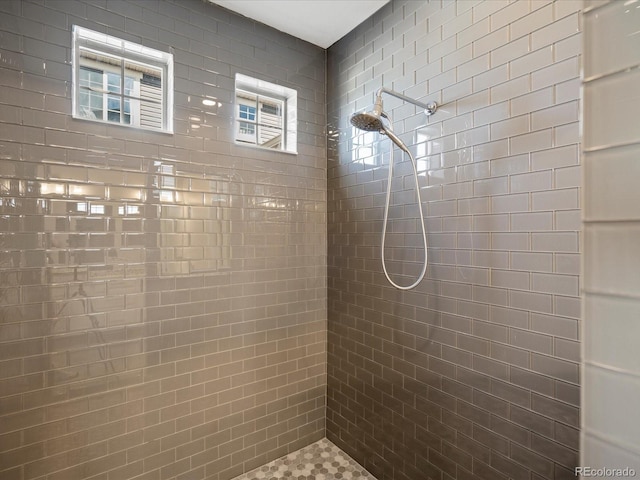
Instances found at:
x=372 y=122
x=394 y=138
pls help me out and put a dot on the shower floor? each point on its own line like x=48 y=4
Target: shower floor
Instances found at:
x=321 y=460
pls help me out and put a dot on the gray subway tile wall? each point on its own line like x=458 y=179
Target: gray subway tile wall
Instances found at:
x=163 y=297
x=475 y=374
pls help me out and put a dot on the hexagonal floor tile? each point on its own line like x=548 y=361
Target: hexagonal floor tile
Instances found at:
x=319 y=461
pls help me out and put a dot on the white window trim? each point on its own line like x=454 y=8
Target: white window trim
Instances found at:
x=84 y=38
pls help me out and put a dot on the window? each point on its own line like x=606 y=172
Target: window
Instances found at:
x=120 y=82
x=265 y=114
x=260 y=120
x=247 y=127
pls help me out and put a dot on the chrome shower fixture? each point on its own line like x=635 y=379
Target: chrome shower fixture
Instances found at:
x=429 y=108
x=372 y=121
x=379 y=121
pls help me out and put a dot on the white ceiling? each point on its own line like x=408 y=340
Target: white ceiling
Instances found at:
x=321 y=22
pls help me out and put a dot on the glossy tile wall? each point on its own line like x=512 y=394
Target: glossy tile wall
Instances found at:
x=163 y=297
x=610 y=421
x=475 y=374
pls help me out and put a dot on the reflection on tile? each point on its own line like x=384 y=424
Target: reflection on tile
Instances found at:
x=319 y=461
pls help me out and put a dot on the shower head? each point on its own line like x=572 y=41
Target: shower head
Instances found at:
x=367 y=121
x=372 y=122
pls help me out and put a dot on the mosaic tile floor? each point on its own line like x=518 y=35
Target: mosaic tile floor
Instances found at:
x=319 y=461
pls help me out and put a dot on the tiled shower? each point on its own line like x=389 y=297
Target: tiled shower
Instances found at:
x=176 y=306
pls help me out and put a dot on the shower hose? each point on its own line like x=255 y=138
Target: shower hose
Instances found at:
x=392 y=136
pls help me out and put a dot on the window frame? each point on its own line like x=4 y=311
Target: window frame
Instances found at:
x=262 y=121
x=244 y=122
x=122 y=51
x=265 y=94
x=133 y=99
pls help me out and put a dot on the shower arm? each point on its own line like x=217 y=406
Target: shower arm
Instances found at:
x=429 y=108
